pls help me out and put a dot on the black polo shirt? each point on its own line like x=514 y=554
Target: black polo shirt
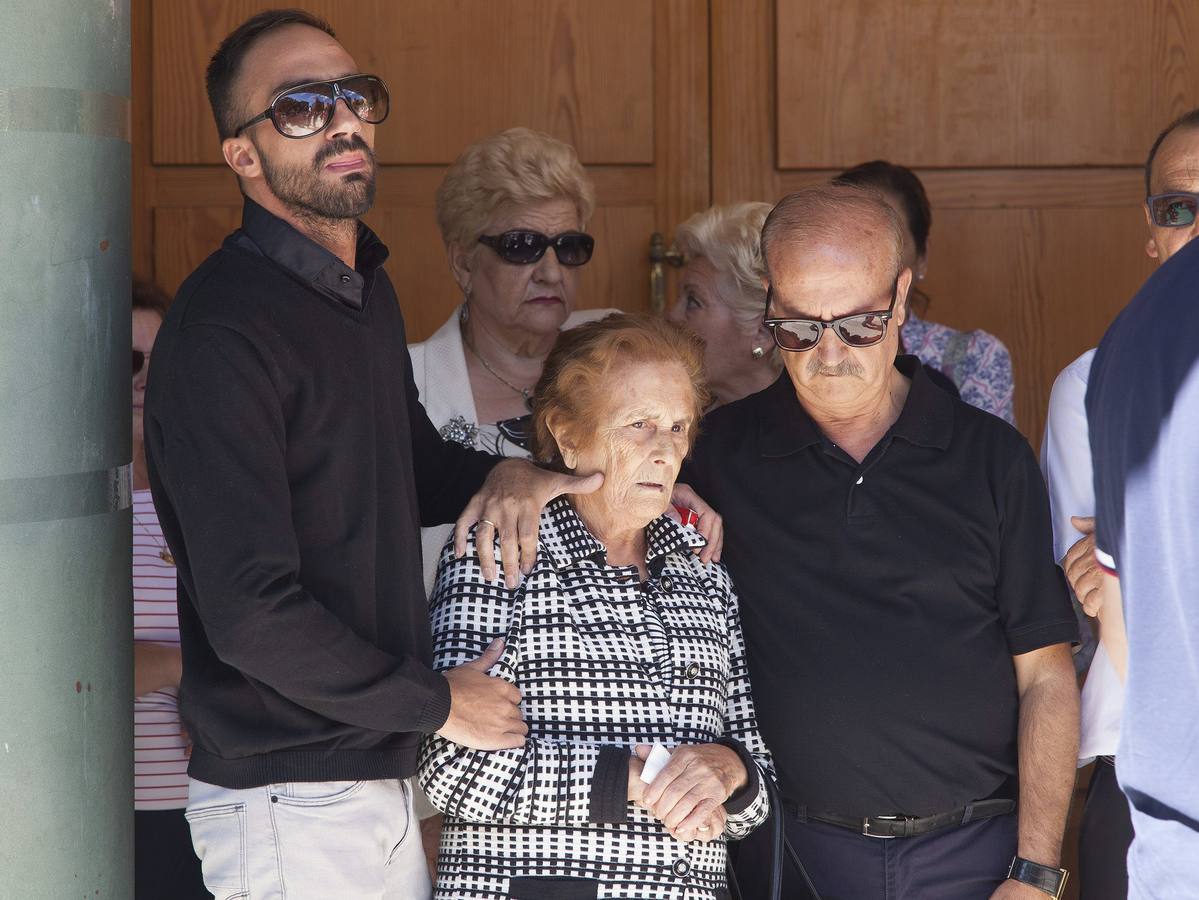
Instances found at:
x=882 y=602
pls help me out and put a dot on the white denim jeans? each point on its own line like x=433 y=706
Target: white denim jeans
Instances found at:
x=309 y=841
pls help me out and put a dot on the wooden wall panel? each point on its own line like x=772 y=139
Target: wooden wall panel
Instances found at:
x=457 y=70
x=979 y=83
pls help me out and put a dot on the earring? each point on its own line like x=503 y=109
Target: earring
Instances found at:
x=757 y=353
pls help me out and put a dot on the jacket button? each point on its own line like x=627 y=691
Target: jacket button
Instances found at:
x=345 y=279
x=666 y=582
x=681 y=867
x=692 y=670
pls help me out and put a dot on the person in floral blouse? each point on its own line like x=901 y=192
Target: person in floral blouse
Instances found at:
x=976 y=362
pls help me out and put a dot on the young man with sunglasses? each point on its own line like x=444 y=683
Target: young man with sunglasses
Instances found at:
x=292 y=465
x=906 y=626
x=1172 y=215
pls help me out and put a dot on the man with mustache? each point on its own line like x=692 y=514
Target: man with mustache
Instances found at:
x=907 y=630
x=292 y=465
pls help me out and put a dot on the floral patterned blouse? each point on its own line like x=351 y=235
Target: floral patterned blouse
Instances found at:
x=975 y=361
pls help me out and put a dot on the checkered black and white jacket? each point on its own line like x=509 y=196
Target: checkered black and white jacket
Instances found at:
x=604 y=662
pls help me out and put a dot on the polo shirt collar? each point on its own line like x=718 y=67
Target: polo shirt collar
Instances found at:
x=926 y=420
x=308 y=260
x=572 y=542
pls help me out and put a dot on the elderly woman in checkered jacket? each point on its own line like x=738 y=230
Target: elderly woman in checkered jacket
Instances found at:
x=620 y=639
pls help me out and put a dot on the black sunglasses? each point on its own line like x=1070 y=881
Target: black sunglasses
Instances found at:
x=859 y=330
x=1176 y=209
x=140 y=358
x=307 y=109
x=522 y=248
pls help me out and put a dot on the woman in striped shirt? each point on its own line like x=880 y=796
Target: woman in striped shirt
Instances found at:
x=165 y=864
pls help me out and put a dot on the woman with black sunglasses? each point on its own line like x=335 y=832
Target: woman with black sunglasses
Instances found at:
x=513 y=211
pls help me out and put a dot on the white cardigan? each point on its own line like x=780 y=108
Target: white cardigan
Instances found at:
x=439 y=370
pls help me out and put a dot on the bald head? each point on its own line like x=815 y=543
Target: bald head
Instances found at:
x=833 y=215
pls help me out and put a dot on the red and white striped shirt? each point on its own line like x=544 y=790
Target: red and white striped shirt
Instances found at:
x=159 y=749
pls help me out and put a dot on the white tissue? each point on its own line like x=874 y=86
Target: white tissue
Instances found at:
x=659 y=756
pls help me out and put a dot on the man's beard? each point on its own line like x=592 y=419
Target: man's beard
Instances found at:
x=302 y=189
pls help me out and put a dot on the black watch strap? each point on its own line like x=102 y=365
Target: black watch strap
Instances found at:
x=1043 y=878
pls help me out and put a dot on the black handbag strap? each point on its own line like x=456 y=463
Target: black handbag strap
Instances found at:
x=780 y=847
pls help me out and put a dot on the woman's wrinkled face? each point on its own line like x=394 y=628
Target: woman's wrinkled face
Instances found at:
x=639 y=441
x=702 y=308
x=534 y=298
x=145 y=328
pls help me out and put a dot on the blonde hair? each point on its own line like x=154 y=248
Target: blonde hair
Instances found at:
x=730 y=238
x=516 y=167
x=577 y=374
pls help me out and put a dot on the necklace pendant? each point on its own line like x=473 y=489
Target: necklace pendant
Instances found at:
x=528 y=400
x=165 y=555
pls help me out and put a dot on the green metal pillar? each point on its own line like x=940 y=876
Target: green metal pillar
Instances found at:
x=66 y=690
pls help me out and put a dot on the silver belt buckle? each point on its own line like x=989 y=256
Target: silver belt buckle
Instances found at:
x=881 y=837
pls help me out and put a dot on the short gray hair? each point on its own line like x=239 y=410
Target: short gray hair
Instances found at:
x=730 y=238
x=826 y=212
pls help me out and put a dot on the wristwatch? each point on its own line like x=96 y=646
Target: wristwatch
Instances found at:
x=1043 y=878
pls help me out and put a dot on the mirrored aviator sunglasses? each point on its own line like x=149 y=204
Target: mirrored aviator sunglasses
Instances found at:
x=1177 y=209
x=523 y=248
x=306 y=109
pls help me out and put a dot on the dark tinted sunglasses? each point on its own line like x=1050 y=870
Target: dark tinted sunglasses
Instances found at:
x=1177 y=209
x=140 y=357
x=307 y=109
x=859 y=330
x=522 y=248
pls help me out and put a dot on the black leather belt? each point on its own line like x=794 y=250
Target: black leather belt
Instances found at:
x=905 y=826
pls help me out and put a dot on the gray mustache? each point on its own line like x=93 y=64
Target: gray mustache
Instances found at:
x=847 y=367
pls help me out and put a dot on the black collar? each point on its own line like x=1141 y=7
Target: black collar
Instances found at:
x=784 y=426
x=308 y=260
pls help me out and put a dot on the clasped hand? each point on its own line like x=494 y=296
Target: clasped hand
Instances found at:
x=688 y=795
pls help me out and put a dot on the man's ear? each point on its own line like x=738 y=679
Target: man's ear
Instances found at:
x=903 y=289
x=242 y=156
x=1150 y=245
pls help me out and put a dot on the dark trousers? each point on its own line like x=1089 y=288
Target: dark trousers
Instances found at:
x=964 y=863
x=1104 y=838
x=165 y=866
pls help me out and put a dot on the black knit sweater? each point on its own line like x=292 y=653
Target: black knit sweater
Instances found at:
x=292 y=466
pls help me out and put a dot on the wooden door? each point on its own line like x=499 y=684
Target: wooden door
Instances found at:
x=624 y=81
x=1028 y=123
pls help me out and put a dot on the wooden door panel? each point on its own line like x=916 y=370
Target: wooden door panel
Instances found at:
x=184 y=236
x=457 y=71
x=1045 y=280
x=979 y=83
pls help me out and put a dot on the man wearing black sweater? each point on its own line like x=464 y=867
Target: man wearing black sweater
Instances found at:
x=292 y=466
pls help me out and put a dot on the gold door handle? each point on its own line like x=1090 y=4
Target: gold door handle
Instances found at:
x=658 y=254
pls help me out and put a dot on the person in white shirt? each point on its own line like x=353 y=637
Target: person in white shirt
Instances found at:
x=1066 y=462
